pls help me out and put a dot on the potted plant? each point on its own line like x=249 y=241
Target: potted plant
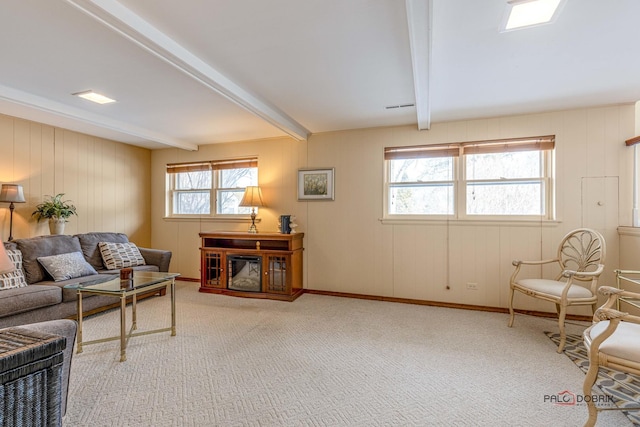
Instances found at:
x=57 y=211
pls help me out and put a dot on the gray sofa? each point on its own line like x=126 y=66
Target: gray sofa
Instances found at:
x=45 y=299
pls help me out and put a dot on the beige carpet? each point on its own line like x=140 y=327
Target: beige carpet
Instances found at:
x=323 y=361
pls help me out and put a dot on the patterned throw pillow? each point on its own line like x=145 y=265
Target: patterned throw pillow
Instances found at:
x=66 y=266
x=14 y=279
x=120 y=255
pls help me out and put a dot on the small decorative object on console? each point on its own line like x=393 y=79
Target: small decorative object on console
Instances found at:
x=293 y=225
x=285 y=220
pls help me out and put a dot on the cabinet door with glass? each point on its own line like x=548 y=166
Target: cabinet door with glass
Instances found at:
x=276 y=278
x=212 y=269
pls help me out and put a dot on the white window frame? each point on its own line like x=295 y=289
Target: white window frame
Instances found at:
x=215 y=167
x=544 y=144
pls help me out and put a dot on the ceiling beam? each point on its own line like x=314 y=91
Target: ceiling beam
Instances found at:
x=122 y=20
x=25 y=99
x=419 y=13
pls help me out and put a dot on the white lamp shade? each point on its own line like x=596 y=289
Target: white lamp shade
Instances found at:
x=6 y=265
x=12 y=193
x=252 y=197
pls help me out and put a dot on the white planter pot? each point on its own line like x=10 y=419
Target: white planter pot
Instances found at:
x=56 y=225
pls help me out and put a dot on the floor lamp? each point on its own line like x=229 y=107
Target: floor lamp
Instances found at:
x=11 y=193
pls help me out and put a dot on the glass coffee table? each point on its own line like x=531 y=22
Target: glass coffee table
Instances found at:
x=142 y=282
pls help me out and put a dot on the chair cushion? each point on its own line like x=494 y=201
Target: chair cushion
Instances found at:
x=624 y=343
x=554 y=287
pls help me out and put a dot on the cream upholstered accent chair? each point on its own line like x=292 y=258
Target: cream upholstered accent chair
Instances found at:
x=612 y=341
x=580 y=257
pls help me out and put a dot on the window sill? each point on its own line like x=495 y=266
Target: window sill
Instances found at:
x=472 y=222
x=239 y=218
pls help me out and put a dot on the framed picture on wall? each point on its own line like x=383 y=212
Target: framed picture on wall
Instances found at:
x=316 y=184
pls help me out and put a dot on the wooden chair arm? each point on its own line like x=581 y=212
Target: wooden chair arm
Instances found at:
x=604 y=313
x=613 y=294
x=595 y=273
x=610 y=291
x=518 y=262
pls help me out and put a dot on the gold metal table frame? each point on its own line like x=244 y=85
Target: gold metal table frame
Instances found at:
x=628 y=280
x=142 y=282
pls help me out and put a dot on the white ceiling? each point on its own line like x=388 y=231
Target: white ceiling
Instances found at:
x=194 y=72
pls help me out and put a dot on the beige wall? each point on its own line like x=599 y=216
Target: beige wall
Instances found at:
x=278 y=159
x=108 y=182
x=348 y=248
x=121 y=188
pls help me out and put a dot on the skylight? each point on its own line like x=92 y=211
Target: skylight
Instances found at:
x=94 y=97
x=528 y=13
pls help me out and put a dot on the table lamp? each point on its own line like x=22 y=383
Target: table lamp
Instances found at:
x=11 y=193
x=6 y=265
x=252 y=198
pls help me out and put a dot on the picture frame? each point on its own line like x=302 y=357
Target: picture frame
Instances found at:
x=316 y=184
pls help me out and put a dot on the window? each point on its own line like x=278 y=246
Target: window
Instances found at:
x=210 y=188
x=510 y=177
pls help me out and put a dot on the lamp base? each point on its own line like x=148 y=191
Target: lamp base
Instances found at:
x=11 y=208
x=252 y=227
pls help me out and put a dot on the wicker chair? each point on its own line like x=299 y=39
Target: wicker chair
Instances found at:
x=581 y=255
x=35 y=362
x=613 y=341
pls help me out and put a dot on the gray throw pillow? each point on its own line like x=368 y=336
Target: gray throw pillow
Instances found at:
x=66 y=266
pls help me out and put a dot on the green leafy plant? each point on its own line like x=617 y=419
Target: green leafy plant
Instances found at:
x=54 y=207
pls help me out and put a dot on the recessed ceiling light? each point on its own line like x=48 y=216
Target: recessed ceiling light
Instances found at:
x=94 y=97
x=527 y=13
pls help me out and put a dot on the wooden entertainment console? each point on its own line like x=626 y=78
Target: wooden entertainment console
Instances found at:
x=271 y=264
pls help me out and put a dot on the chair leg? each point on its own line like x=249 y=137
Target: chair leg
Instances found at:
x=511 y=314
x=587 y=387
x=563 y=334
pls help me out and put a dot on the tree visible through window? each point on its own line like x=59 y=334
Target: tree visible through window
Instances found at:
x=486 y=178
x=505 y=183
x=210 y=188
x=421 y=186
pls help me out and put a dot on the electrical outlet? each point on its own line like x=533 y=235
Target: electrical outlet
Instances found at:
x=472 y=286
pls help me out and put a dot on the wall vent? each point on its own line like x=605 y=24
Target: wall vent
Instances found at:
x=391 y=107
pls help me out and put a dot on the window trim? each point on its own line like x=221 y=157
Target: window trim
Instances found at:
x=545 y=144
x=214 y=166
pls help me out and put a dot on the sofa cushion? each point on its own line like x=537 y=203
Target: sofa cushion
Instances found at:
x=71 y=293
x=15 y=278
x=120 y=255
x=89 y=243
x=146 y=267
x=42 y=246
x=19 y=300
x=66 y=266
